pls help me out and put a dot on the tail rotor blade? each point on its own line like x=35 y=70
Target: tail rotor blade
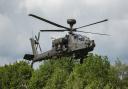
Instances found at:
x=37 y=42
x=40 y=48
x=36 y=38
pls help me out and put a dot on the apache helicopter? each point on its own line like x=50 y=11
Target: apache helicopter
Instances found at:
x=73 y=44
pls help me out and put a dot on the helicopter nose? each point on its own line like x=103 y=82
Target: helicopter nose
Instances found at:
x=92 y=45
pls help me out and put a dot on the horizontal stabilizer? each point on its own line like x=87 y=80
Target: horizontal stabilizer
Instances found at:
x=28 y=57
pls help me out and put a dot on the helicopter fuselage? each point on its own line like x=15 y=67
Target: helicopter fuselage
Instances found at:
x=73 y=45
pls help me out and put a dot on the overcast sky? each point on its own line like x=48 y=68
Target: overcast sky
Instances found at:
x=16 y=27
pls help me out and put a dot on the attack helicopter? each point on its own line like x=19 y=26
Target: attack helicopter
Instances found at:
x=74 y=45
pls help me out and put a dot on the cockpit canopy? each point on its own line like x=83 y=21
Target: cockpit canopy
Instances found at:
x=80 y=37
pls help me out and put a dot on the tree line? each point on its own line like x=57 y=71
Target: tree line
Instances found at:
x=64 y=73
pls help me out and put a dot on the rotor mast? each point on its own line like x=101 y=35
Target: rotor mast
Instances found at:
x=71 y=22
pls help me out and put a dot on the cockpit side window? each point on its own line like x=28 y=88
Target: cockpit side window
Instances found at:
x=79 y=37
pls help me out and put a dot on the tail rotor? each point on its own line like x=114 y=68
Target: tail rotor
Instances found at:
x=37 y=42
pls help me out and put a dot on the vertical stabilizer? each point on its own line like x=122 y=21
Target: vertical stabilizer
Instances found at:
x=34 y=50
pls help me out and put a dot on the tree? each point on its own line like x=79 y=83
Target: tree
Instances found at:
x=15 y=76
x=92 y=74
x=122 y=72
x=52 y=73
x=63 y=73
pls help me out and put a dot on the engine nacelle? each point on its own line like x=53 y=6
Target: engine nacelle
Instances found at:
x=60 y=44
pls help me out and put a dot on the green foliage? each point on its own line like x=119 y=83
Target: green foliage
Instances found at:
x=15 y=76
x=52 y=73
x=93 y=74
x=64 y=73
x=122 y=72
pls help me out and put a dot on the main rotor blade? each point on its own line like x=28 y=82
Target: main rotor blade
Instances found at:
x=36 y=38
x=53 y=30
x=94 y=33
x=50 y=22
x=92 y=24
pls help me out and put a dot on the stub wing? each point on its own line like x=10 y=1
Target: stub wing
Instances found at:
x=28 y=57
